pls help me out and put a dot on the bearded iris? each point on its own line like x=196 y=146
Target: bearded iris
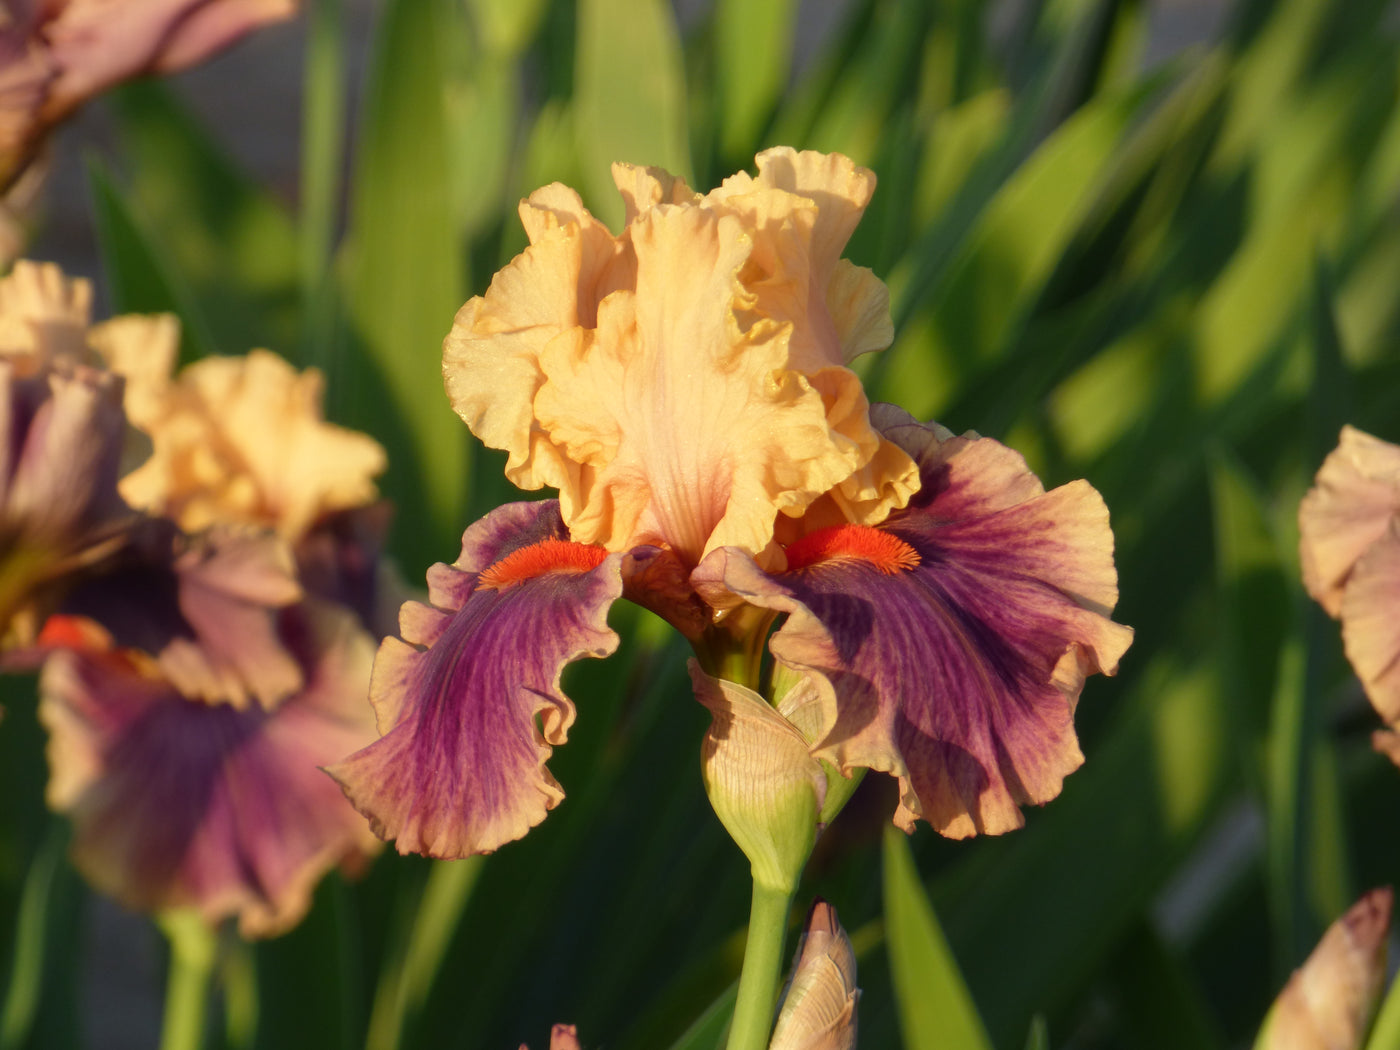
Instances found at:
x=685 y=387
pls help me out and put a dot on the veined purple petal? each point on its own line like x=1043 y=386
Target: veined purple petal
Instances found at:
x=180 y=803
x=955 y=639
x=468 y=703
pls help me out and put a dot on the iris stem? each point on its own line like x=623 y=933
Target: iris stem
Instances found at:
x=193 y=948
x=762 y=970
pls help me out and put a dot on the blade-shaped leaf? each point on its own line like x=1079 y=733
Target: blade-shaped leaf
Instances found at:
x=936 y=1010
x=405 y=280
x=629 y=92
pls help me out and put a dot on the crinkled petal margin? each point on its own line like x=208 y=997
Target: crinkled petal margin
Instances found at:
x=180 y=803
x=1351 y=504
x=469 y=703
x=1370 y=628
x=959 y=676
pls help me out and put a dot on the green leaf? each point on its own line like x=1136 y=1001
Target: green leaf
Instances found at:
x=1082 y=871
x=935 y=1008
x=710 y=1028
x=322 y=160
x=1038 y=1038
x=629 y=94
x=33 y=950
x=481 y=100
x=1385 y=1033
x=1158 y=1000
x=404 y=281
x=506 y=27
x=139 y=279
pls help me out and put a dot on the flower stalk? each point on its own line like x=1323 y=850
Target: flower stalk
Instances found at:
x=193 y=950
x=761 y=974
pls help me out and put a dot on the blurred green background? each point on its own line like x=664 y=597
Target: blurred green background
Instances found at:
x=1172 y=272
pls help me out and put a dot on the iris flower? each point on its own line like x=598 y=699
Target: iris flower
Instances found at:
x=1349 y=545
x=685 y=386
x=194 y=683
x=177 y=802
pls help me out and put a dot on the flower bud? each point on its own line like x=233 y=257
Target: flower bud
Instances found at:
x=1328 y=1002
x=819 y=1006
x=764 y=785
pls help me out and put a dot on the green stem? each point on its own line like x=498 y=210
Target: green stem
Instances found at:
x=193 y=947
x=762 y=971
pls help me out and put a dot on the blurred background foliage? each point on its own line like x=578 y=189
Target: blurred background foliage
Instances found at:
x=1175 y=277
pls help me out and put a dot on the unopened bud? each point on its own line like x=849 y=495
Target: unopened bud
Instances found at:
x=819 y=1007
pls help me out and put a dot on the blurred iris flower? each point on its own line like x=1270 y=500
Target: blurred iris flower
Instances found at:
x=194 y=677
x=685 y=386
x=57 y=54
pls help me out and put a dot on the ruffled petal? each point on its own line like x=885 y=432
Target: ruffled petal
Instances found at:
x=43 y=316
x=684 y=384
x=468 y=703
x=182 y=804
x=143 y=349
x=1349 y=507
x=207 y=609
x=691 y=432
x=97 y=43
x=955 y=639
x=490 y=359
x=1370 y=628
x=242 y=439
x=645 y=187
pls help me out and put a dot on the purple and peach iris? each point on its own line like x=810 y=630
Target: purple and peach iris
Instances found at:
x=685 y=386
x=194 y=681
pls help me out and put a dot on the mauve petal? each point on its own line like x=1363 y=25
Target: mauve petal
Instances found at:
x=960 y=675
x=469 y=704
x=1349 y=507
x=96 y=43
x=179 y=803
x=1387 y=742
x=26 y=71
x=215 y=25
x=206 y=608
x=64 y=479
